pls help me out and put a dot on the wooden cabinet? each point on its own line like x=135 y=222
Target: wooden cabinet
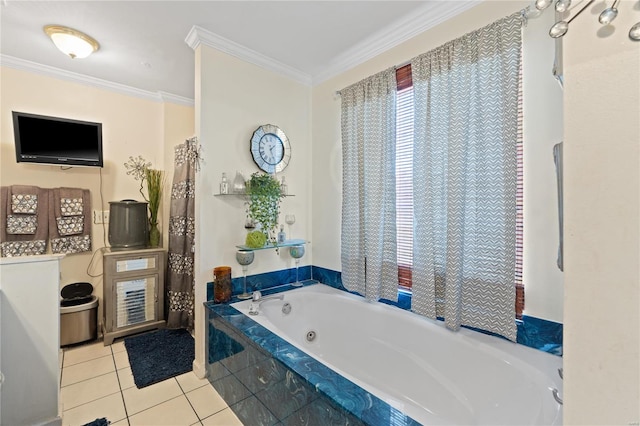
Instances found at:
x=133 y=292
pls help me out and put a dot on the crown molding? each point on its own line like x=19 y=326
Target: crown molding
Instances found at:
x=175 y=99
x=49 y=71
x=427 y=17
x=198 y=36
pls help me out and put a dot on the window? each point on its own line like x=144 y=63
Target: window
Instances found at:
x=404 y=190
x=404 y=175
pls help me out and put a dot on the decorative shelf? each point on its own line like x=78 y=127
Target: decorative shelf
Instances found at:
x=287 y=243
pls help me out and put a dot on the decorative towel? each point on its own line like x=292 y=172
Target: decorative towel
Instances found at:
x=70 y=220
x=23 y=220
x=23 y=203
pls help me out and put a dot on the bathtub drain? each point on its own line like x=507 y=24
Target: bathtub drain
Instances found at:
x=311 y=336
x=286 y=308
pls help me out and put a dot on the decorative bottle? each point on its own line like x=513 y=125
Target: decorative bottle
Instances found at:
x=224 y=184
x=281 y=235
x=283 y=187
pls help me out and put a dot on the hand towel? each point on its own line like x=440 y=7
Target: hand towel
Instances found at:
x=68 y=209
x=70 y=220
x=22 y=207
x=23 y=234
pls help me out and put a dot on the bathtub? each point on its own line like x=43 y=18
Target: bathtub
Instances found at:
x=415 y=364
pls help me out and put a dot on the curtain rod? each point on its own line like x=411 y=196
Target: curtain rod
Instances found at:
x=522 y=12
x=403 y=64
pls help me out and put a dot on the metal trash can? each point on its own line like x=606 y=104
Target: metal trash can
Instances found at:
x=78 y=314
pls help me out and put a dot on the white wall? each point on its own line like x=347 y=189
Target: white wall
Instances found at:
x=179 y=125
x=543 y=104
x=233 y=98
x=542 y=125
x=602 y=211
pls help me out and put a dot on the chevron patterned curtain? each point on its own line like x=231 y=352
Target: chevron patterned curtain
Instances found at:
x=368 y=251
x=467 y=122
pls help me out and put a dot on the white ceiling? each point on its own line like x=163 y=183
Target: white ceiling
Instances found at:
x=143 y=42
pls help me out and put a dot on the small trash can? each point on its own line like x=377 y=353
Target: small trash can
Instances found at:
x=78 y=314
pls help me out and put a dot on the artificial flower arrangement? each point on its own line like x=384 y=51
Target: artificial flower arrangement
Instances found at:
x=141 y=170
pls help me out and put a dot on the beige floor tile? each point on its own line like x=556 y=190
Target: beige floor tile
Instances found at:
x=86 y=370
x=206 y=401
x=118 y=347
x=123 y=422
x=174 y=412
x=88 y=390
x=110 y=407
x=137 y=400
x=122 y=359
x=85 y=353
x=126 y=378
x=189 y=381
x=225 y=417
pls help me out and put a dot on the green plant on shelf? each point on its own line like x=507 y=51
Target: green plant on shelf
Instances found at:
x=265 y=196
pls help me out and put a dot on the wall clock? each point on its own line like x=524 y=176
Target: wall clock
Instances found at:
x=270 y=148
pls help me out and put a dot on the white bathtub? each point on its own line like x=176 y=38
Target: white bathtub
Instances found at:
x=415 y=364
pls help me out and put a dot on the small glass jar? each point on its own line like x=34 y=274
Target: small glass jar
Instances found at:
x=221 y=284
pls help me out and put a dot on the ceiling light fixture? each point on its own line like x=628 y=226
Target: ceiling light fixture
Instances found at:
x=71 y=42
x=560 y=28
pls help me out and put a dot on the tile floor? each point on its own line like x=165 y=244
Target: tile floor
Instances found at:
x=96 y=382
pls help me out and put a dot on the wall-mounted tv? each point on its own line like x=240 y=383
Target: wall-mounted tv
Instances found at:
x=54 y=140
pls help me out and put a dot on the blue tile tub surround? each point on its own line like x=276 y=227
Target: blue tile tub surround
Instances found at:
x=533 y=332
x=540 y=334
x=328 y=276
x=264 y=281
x=291 y=385
x=221 y=346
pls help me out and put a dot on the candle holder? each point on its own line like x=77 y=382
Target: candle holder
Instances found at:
x=297 y=252
x=245 y=258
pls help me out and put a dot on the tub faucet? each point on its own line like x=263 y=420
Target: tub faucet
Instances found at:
x=257 y=299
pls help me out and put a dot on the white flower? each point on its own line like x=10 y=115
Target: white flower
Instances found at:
x=136 y=167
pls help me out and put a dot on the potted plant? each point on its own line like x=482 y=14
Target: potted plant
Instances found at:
x=264 y=208
x=155 y=181
x=141 y=170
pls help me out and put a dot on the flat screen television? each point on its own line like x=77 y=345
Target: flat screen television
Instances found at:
x=55 y=140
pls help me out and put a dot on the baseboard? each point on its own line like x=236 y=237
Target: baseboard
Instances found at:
x=199 y=369
x=56 y=421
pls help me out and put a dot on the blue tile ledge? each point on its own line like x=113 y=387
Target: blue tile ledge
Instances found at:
x=533 y=332
x=349 y=396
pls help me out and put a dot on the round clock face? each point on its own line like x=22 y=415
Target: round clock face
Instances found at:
x=270 y=148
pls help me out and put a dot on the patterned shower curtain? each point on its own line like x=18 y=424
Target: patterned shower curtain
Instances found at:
x=180 y=274
x=468 y=118
x=369 y=264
